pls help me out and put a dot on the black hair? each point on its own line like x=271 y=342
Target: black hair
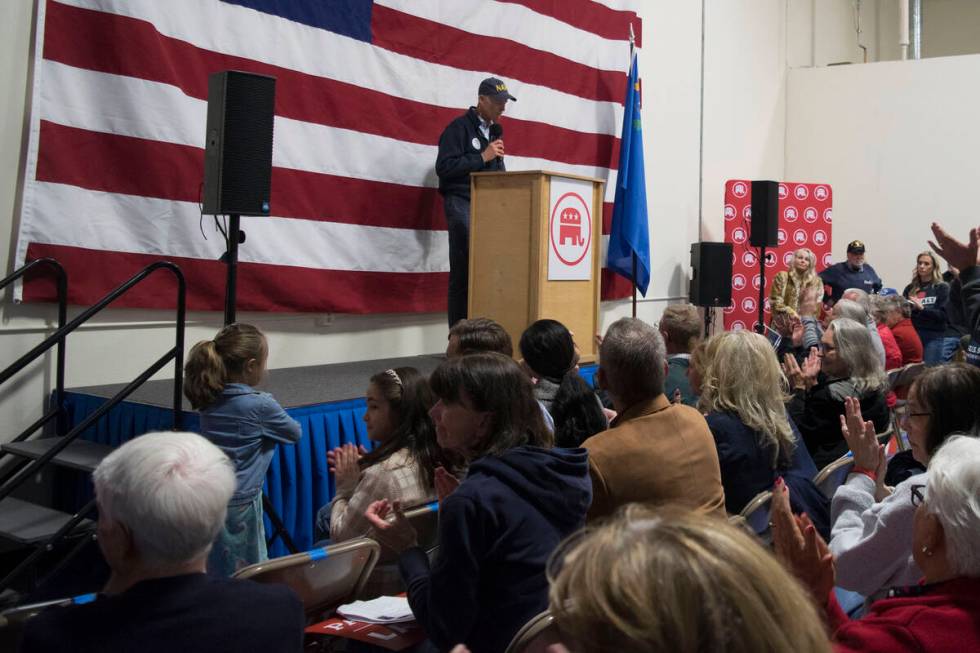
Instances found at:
x=410 y=398
x=577 y=412
x=549 y=350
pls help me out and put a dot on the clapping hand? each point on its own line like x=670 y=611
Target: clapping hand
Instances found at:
x=343 y=462
x=802 y=378
x=959 y=255
x=397 y=534
x=860 y=436
x=798 y=545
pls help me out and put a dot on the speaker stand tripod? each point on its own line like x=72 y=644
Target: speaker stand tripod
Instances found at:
x=760 y=326
x=234 y=237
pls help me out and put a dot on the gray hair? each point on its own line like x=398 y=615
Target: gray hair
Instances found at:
x=171 y=490
x=851 y=310
x=884 y=304
x=856 y=350
x=861 y=297
x=632 y=357
x=879 y=307
x=953 y=496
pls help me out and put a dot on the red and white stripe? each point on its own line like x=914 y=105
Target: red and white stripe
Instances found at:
x=117 y=129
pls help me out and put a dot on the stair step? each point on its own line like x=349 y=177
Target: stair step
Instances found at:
x=80 y=454
x=28 y=523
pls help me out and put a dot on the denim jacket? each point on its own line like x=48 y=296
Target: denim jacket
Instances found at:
x=246 y=424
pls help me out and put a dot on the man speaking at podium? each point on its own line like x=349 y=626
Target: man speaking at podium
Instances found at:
x=473 y=142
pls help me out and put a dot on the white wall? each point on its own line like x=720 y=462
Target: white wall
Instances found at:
x=744 y=127
x=898 y=143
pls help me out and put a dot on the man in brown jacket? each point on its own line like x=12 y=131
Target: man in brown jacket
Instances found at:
x=654 y=452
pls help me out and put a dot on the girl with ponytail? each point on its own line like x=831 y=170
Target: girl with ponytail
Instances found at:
x=244 y=423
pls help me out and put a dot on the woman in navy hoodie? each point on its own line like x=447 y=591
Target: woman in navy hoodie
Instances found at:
x=498 y=526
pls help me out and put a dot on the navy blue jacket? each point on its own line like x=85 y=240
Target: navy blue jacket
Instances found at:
x=970 y=278
x=192 y=612
x=496 y=532
x=747 y=470
x=461 y=148
x=932 y=317
x=840 y=277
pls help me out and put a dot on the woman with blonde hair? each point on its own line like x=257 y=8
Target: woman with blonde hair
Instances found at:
x=743 y=394
x=789 y=286
x=927 y=295
x=675 y=581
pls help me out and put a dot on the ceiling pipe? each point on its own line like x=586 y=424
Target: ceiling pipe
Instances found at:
x=903 y=28
x=915 y=29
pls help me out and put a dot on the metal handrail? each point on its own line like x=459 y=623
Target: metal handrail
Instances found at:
x=15 y=477
x=61 y=283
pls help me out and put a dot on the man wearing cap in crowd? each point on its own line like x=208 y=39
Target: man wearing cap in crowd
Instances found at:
x=853 y=273
x=470 y=143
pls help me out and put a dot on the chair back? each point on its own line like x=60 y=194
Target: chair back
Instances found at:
x=322 y=578
x=885 y=436
x=756 y=516
x=833 y=475
x=903 y=377
x=539 y=635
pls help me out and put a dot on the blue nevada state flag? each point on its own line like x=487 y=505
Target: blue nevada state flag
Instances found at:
x=630 y=233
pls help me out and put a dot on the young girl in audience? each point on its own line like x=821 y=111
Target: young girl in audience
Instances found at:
x=401 y=466
x=872 y=523
x=551 y=358
x=244 y=423
x=674 y=581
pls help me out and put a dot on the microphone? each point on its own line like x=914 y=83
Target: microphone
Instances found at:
x=496 y=133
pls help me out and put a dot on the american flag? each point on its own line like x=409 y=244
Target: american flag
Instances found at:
x=119 y=104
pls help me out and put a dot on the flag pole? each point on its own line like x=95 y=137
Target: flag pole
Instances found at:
x=630 y=72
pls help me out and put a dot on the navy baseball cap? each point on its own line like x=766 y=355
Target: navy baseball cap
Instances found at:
x=496 y=89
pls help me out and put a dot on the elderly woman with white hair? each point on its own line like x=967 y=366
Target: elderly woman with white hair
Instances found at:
x=162 y=500
x=941 y=612
x=872 y=523
x=845 y=366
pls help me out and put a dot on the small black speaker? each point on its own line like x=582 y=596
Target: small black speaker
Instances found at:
x=765 y=214
x=711 y=274
x=238 y=149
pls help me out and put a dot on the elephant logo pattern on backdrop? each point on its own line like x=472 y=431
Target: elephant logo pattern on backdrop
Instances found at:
x=811 y=202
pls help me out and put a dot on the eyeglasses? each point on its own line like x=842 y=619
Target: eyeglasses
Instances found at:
x=908 y=416
x=918 y=496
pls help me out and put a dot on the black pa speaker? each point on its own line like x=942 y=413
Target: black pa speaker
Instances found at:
x=711 y=274
x=238 y=149
x=765 y=214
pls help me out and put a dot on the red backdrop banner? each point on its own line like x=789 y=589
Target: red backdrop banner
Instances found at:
x=805 y=220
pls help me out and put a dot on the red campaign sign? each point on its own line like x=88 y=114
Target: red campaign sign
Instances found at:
x=394 y=637
x=805 y=220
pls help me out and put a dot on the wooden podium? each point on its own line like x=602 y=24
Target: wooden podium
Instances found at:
x=526 y=229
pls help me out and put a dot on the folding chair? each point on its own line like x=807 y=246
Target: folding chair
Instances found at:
x=833 y=475
x=538 y=635
x=756 y=516
x=902 y=378
x=323 y=579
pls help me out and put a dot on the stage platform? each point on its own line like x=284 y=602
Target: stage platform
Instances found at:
x=327 y=401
